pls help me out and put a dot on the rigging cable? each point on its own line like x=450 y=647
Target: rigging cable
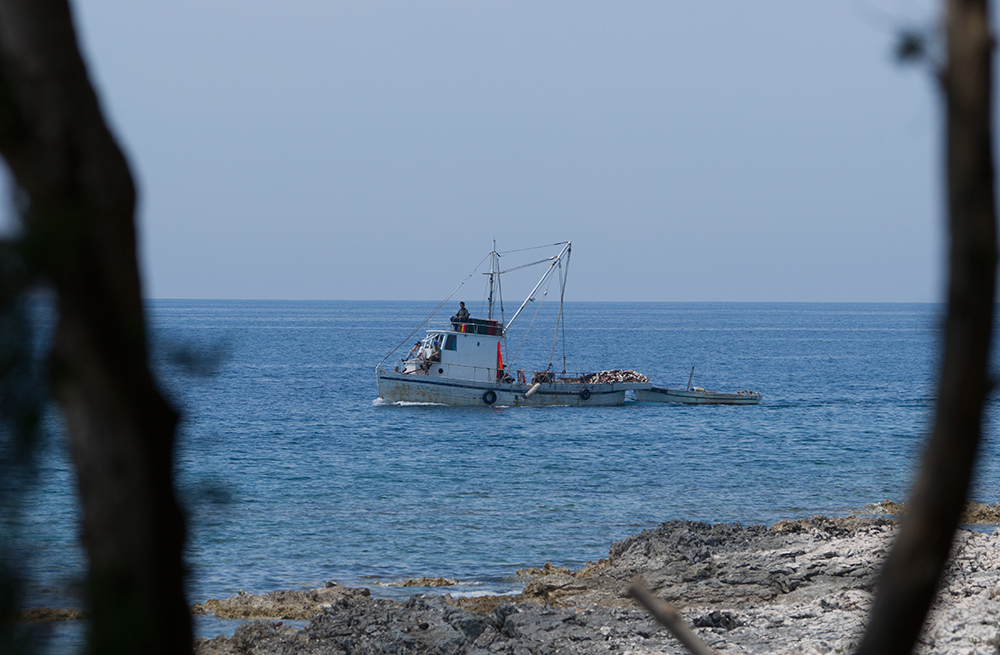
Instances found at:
x=540 y=261
x=545 y=295
x=551 y=245
x=431 y=315
x=561 y=320
x=483 y=301
x=555 y=337
x=500 y=294
x=562 y=296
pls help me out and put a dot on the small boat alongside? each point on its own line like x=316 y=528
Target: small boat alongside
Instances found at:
x=462 y=363
x=697 y=395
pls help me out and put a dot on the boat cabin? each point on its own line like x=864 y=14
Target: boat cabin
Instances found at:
x=472 y=350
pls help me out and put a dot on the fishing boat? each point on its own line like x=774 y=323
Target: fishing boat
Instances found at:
x=462 y=362
x=697 y=395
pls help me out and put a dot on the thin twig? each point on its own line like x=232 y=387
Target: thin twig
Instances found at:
x=667 y=614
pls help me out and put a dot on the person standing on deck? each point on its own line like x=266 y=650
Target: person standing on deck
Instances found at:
x=461 y=317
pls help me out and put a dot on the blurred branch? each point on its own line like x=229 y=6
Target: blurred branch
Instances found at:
x=667 y=615
x=77 y=204
x=910 y=577
x=911 y=46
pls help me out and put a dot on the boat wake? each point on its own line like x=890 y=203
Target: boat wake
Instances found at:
x=382 y=402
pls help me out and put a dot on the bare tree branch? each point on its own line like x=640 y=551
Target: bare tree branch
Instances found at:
x=80 y=235
x=914 y=567
x=667 y=615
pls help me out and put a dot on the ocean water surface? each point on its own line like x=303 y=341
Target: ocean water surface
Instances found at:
x=294 y=474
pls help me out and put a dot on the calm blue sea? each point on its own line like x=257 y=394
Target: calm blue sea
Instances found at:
x=294 y=475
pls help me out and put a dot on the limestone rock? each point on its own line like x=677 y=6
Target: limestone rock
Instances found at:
x=277 y=605
x=802 y=586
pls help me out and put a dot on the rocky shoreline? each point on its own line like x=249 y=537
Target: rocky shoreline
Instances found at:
x=800 y=586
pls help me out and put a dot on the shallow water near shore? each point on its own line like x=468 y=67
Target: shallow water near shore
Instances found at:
x=293 y=474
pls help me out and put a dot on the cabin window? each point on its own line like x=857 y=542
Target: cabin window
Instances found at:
x=450 y=342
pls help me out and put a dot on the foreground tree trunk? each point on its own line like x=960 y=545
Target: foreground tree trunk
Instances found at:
x=78 y=204
x=910 y=578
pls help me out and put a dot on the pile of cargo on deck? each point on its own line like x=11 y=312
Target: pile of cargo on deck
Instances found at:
x=603 y=377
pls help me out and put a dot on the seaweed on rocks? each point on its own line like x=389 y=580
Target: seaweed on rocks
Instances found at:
x=974 y=513
x=283 y=604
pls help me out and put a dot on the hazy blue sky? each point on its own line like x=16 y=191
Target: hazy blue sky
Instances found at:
x=703 y=150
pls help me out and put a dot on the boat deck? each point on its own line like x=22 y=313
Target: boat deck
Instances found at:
x=411 y=387
x=697 y=396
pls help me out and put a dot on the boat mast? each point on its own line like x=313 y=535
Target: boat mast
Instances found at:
x=494 y=270
x=531 y=296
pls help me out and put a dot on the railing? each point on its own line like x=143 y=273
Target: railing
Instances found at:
x=471 y=373
x=477 y=373
x=476 y=326
x=470 y=326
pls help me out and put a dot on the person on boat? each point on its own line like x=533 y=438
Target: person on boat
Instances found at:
x=415 y=352
x=462 y=316
x=436 y=350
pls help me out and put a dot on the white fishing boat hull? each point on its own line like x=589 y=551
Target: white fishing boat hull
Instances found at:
x=415 y=388
x=465 y=363
x=696 y=397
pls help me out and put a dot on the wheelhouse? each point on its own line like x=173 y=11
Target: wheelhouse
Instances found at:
x=468 y=352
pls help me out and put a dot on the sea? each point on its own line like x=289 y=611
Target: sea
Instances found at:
x=293 y=473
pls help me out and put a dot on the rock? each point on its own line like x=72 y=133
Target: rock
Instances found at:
x=277 y=605
x=46 y=614
x=547 y=569
x=427 y=582
x=487 y=604
x=981 y=514
x=802 y=586
x=974 y=514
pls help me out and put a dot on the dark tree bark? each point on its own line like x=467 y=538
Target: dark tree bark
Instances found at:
x=910 y=578
x=78 y=212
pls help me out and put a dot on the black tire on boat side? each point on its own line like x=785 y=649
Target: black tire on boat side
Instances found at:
x=489 y=396
x=585 y=394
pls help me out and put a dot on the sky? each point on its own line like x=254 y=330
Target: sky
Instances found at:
x=718 y=150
